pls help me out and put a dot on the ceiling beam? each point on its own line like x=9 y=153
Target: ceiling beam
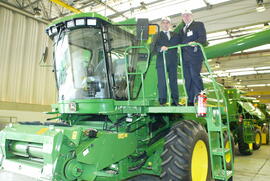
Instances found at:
x=30 y=4
x=103 y=4
x=65 y=5
x=19 y=4
x=44 y=10
x=21 y=11
x=134 y=8
x=111 y=8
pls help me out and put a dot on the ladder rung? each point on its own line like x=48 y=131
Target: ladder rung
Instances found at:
x=221 y=175
x=223 y=128
x=218 y=151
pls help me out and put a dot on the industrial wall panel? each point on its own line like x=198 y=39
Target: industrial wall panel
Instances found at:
x=22 y=43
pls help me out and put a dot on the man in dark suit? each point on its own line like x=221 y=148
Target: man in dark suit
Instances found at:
x=193 y=31
x=165 y=39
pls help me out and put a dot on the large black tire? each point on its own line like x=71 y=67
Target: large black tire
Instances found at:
x=267 y=133
x=177 y=157
x=229 y=158
x=230 y=179
x=265 y=130
x=242 y=146
x=258 y=139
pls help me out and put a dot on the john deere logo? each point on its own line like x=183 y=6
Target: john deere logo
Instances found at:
x=73 y=107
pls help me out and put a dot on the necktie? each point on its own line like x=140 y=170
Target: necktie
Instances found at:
x=167 y=34
x=185 y=28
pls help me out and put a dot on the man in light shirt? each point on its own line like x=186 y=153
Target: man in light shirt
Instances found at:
x=165 y=39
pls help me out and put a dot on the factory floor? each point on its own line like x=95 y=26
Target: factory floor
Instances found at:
x=253 y=168
x=247 y=168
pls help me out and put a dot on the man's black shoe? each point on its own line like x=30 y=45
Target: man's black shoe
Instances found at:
x=162 y=104
x=175 y=104
x=190 y=104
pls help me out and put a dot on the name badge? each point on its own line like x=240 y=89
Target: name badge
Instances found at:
x=189 y=33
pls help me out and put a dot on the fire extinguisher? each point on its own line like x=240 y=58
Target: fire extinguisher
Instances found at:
x=202 y=105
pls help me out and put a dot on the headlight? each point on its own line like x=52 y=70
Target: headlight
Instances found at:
x=54 y=30
x=91 y=22
x=80 y=22
x=70 y=24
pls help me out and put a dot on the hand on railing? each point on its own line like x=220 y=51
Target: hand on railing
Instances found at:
x=196 y=45
x=193 y=43
x=163 y=48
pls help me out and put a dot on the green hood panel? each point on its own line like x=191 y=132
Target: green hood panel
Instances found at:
x=252 y=110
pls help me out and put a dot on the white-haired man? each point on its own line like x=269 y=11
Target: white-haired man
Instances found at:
x=193 y=31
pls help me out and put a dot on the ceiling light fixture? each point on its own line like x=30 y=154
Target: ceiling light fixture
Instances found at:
x=217 y=65
x=37 y=12
x=257 y=85
x=260 y=6
x=143 y=6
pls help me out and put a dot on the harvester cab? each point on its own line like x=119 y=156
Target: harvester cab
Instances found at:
x=90 y=55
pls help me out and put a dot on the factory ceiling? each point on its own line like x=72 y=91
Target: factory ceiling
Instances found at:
x=224 y=20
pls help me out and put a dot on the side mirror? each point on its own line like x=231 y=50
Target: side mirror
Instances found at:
x=45 y=55
x=142 y=29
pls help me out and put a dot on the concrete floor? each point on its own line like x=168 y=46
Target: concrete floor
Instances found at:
x=8 y=176
x=253 y=168
x=247 y=168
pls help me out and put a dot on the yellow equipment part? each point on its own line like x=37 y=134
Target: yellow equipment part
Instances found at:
x=257 y=138
x=65 y=5
x=250 y=145
x=199 y=162
x=228 y=155
x=264 y=138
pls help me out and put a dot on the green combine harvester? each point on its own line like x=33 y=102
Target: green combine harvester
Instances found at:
x=110 y=125
x=248 y=121
x=263 y=125
x=266 y=126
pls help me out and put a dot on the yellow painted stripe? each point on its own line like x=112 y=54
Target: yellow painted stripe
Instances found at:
x=42 y=130
x=261 y=93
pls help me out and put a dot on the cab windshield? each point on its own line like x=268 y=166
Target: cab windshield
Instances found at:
x=80 y=65
x=92 y=63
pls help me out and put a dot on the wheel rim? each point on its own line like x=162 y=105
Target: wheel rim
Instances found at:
x=228 y=155
x=257 y=139
x=199 y=162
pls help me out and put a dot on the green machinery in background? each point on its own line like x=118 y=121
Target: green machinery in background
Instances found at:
x=248 y=121
x=109 y=124
x=263 y=126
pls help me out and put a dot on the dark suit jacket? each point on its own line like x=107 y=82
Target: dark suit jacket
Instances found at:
x=195 y=32
x=160 y=40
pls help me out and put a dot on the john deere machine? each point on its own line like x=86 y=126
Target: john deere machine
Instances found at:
x=265 y=128
x=262 y=125
x=110 y=125
x=248 y=121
